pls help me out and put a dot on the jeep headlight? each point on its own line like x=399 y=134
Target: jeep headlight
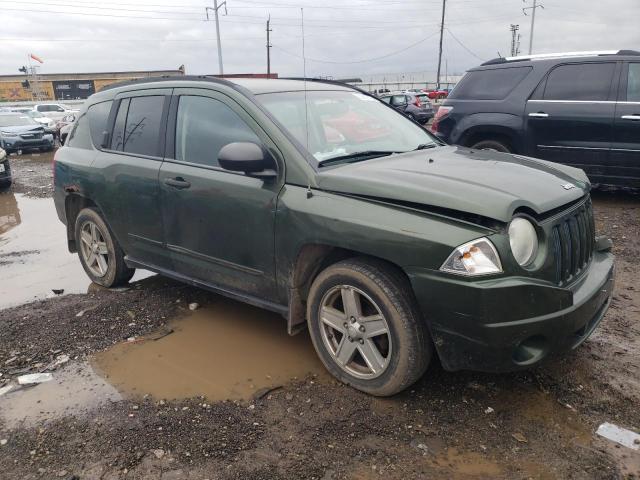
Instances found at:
x=523 y=239
x=478 y=257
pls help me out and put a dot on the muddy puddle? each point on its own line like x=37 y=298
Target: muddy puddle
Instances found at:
x=33 y=252
x=226 y=351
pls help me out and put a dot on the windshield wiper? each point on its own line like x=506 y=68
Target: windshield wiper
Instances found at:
x=357 y=156
x=424 y=146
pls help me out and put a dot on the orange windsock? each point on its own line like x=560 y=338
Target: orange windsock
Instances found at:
x=36 y=58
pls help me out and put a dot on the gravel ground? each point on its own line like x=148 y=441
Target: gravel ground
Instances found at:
x=534 y=424
x=32 y=174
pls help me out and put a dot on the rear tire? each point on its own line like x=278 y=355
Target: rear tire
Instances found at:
x=495 y=145
x=99 y=251
x=385 y=346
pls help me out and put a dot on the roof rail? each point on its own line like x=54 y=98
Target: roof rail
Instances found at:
x=542 y=56
x=165 y=78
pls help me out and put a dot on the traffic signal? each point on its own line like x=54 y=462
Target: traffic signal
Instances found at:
x=26 y=84
x=23 y=70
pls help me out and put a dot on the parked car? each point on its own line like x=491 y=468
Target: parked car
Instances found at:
x=48 y=124
x=65 y=125
x=416 y=107
x=54 y=111
x=21 y=132
x=5 y=170
x=437 y=94
x=580 y=109
x=390 y=248
x=381 y=91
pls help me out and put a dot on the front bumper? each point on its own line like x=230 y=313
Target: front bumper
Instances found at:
x=12 y=144
x=507 y=324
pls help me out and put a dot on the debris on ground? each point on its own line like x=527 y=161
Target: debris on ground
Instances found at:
x=58 y=291
x=519 y=437
x=34 y=378
x=6 y=389
x=193 y=306
x=489 y=410
x=60 y=360
x=619 y=435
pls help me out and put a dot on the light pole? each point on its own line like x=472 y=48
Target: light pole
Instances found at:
x=215 y=9
x=533 y=21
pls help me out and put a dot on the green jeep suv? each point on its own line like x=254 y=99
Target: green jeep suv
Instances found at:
x=322 y=203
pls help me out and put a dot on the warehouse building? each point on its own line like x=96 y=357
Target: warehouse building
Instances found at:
x=67 y=86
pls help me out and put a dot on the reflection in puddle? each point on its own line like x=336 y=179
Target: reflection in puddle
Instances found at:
x=74 y=391
x=227 y=351
x=34 y=254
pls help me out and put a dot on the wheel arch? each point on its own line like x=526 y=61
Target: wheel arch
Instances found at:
x=73 y=205
x=312 y=259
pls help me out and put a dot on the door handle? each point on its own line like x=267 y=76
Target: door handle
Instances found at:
x=539 y=115
x=630 y=117
x=178 y=182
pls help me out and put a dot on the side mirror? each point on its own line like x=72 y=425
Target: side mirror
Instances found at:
x=247 y=157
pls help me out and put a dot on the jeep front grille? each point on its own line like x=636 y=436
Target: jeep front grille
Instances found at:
x=572 y=242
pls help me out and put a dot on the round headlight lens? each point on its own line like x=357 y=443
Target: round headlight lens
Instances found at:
x=524 y=240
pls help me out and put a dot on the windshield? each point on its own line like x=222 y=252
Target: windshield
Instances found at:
x=16 y=120
x=343 y=123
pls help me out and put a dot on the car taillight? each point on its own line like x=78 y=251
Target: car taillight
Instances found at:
x=417 y=103
x=440 y=114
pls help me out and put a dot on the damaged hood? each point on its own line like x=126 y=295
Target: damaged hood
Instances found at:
x=479 y=182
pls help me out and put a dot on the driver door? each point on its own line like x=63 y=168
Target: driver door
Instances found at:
x=219 y=224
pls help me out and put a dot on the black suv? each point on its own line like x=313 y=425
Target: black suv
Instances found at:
x=580 y=109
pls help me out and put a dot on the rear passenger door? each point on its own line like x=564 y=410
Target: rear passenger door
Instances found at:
x=569 y=119
x=625 y=152
x=129 y=164
x=219 y=224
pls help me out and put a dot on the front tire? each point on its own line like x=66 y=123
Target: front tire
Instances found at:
x=495 y=145
x=366 y=327
x=99 y=251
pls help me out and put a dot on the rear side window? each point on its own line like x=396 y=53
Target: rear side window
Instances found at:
x=137 y=127
x=633 y=83
x=80 y=136
x=587 y=81
x=98 y=117
x=493 y=84
x=205 y=125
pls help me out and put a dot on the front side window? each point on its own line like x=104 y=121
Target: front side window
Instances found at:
x=633 y=83
x=205 y=125
x=586 y=81
x=337 y=123
x=137 y=128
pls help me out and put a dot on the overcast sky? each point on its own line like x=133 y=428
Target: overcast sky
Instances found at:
x=342 y=37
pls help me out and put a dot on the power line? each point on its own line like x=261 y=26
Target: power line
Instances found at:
x=360 y=61
x=463 y=45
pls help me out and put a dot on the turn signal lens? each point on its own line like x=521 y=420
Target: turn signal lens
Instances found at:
x=478 y=257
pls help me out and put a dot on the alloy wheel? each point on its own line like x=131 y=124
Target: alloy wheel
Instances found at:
x=94 y=249
x=355 y=332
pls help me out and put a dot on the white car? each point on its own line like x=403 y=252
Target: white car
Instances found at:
x=48 y=123
x=55 y=111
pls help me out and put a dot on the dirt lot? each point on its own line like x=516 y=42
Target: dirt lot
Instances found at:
x=155 y=390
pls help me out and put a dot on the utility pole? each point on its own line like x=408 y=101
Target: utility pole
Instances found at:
x=533 y=21
x=268 y=47
x=215 y=9
x=444 y=4
x=514 y=40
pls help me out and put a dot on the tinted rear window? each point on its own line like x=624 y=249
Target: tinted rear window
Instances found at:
x=493 y=84
x=141 y=132
x=98 y=117
x=587 y=81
